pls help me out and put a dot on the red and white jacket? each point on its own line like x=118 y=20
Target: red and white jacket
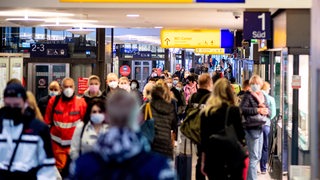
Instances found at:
x=66 y=116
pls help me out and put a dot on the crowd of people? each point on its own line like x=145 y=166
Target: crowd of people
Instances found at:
x=98 y=135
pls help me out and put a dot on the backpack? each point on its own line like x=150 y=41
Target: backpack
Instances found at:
x=190 y=127
x=226 y=147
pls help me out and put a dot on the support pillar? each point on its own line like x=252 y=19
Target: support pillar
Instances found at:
x=99 y=67
x=295 y=115
x=315 y=94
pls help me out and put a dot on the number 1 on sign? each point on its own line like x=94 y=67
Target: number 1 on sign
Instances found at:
x=263 y=19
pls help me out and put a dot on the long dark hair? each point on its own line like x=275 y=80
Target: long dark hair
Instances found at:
x=95 y=102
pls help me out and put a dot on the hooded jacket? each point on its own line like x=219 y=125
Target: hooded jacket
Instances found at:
x=122 y=154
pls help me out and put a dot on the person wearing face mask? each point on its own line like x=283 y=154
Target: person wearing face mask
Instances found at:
x=122 y=152
x=112 y=83
x=190 y=88
x=93 y=90
x=176 y=94
x=255 y=111
x=87 y=131
x=266 y=128
x=25 y=143
x=53 y=90
x=135 y=86
x=62 y=115
x=124 y=83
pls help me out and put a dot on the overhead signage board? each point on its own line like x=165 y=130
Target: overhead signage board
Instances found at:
x=178 y=38
x=209 y=51
x=153 y=1
x=257 y=25
x=48 y=50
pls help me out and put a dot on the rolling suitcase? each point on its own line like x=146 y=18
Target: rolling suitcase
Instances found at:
x=183 y=163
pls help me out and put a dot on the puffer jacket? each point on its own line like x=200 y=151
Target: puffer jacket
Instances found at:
x=165 y=120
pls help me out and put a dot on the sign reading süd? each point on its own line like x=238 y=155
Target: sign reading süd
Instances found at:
x=256 y=25
x=190 y=38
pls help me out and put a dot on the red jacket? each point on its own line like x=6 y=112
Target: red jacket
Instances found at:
x=65 y=118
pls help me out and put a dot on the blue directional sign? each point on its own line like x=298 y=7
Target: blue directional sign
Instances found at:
x=257 y=25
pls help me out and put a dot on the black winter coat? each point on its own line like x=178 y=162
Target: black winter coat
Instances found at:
x=249 y=106
x=165 y=120
x=43 y=102
x=212 y=124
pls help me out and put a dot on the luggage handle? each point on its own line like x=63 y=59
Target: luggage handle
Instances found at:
x=185 y=147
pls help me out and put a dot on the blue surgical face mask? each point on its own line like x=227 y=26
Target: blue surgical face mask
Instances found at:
x=255 y=87
x=179 y=89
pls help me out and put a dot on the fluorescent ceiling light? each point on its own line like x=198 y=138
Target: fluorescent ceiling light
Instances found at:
x=81 y=31
x=33 y=13
x=26 y=21
x=133 y=15
x=158 y=27
x=57 y=27
x=66 y=20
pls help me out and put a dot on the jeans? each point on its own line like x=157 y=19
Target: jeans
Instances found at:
x=254 y=140
x=265 y=148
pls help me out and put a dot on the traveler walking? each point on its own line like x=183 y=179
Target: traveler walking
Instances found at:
x=201 y=96
x=122 y=152
x=255 y=111
x=25 y=142
x=62 y=115
x=93 y=90
x=54 y=89
x=220 y=161
x=266 y=128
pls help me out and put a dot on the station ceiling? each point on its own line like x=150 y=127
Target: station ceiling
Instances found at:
x=189 y=15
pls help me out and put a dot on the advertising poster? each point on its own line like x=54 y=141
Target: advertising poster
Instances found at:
x=42 y=78
x=82 y=85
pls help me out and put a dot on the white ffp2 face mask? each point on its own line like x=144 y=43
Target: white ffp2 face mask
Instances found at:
x=68 y=92
x=97 y=118
x=53 y=93
x=113 y=84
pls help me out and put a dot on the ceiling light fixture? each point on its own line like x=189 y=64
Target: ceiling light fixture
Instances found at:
x=133 y=15
x=26 y=21
x=80 y=31
x=57 y=27
x=158 y=27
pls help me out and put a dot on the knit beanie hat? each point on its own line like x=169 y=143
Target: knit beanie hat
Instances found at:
x=15 y=90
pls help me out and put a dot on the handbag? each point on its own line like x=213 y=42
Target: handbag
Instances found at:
x=147 y=127
x=230 y=149
x=257 y=120
x=183 y=163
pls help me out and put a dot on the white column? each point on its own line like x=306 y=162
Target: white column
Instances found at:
x=315 y=93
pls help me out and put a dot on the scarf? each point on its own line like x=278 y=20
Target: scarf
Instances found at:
x=120 y=144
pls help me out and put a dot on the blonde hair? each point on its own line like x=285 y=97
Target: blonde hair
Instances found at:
x=256 y=78
x=222 y=93
x=111 y=75
x=124 y=79
x=168 y=95
x=147 y=90
x=266 y=86
x=67 y=79
x=94 y=77
x=33 y=105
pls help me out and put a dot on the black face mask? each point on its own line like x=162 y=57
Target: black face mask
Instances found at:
x=13 y=113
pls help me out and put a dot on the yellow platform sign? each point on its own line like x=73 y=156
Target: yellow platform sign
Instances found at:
x=190 y=38
x=209 y=51
x=126 y=1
